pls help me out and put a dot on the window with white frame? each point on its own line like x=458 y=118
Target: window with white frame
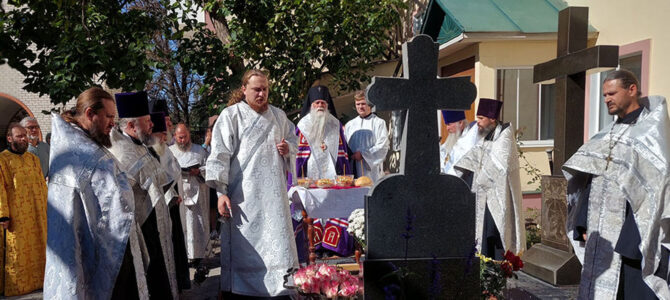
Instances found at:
x=529 y=106
x=599 y=116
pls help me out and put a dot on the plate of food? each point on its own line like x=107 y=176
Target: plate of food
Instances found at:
x=345 y=180
x=325 y=183
x=304 y=182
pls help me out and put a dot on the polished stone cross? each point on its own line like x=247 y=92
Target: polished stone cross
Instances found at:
x=419 y=217
x=422 y=93
x=569 y=68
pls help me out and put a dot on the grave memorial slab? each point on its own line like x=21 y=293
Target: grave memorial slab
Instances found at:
x=553 y=260
x=420 y=220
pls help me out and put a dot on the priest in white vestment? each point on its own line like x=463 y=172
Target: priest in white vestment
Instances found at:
x=173 y=197
x=149 y=182
x=492 y=169
x=192 y=159
x=618 y=183
x=253 y=148
x=368 y=140
x=462 y=137
x=93 y=247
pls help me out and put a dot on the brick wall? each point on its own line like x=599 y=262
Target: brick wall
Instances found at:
x=11 y=83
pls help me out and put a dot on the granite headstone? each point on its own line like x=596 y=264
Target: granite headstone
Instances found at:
x=420 y=224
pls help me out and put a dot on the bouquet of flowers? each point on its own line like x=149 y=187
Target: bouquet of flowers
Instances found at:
x=357 y=226
x=321 y=280
x=493 y=274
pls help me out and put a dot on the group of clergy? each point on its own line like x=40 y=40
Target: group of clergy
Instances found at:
x=617 y=187
x=126 y=211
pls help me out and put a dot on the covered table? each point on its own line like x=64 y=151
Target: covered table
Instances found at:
x=324 y=204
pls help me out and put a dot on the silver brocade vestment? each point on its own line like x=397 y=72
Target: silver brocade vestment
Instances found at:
x=468 y=139
x=196 y=200
x=496 y=183
x=90 y=219
x=148 y=180
x=638 y=173
x=257 y=244
x=321 y=164
x=370 y=137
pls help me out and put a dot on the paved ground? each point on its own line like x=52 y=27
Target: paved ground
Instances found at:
x=523 y=288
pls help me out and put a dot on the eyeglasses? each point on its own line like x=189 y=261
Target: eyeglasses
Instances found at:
x=32 y=127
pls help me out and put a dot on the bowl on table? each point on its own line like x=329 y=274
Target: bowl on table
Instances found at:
x=325 y=183
x=345 y=180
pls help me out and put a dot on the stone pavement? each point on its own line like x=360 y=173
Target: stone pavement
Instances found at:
x=527 y=287
x=523 y=288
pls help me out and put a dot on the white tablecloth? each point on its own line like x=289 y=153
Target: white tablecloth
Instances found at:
x=329 y=203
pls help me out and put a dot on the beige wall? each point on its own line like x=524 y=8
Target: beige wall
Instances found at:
x=625 y=22
x=514 y=54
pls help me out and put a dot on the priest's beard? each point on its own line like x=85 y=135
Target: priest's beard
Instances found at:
x=452 y=138
x=159 y=146
x=33 y=139
x=19 y=147
x=146 y=139
x=184 y=147
x=98 y=135
x=319 y=118
x=483 y=132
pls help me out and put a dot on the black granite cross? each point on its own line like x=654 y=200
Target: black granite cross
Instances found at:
x=569 y=68
x=421 y=219
x=422 y=93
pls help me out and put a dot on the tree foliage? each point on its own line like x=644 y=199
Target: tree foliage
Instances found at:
x=64 y=46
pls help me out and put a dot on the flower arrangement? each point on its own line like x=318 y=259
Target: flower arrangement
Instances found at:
x=493 y=274
x=357 y=226
x=321 y=280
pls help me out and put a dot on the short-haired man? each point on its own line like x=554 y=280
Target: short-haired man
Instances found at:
x=618 y=197
x=192 y=160
x=368 y=140
x=35 y=146
x=491 y=168
x=23 y=209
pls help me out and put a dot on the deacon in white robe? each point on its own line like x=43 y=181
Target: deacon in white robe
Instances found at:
x=253 y=147
x=492 y=168
x=192 y=159
x=618 y=184
x=149 y=182
x=462 y=137
x=94 y=244
x=368 y=140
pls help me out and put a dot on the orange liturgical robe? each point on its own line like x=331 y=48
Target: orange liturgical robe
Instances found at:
x=23 y=198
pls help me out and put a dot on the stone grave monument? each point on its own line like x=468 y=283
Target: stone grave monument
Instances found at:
x=420 y=224
x=553 y=260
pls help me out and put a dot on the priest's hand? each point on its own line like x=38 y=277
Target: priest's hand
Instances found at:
x=224 y=206
x=584 y=236
x=179 y=200
x=282 y=147
x=194 y=171
x=357 y=155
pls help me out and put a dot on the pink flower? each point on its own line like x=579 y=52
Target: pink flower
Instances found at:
x=348 y=289
x=330 y=288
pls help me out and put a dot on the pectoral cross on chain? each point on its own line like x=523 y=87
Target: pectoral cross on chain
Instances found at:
x=608 y=159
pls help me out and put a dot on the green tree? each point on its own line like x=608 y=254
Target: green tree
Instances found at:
x=64 y=46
